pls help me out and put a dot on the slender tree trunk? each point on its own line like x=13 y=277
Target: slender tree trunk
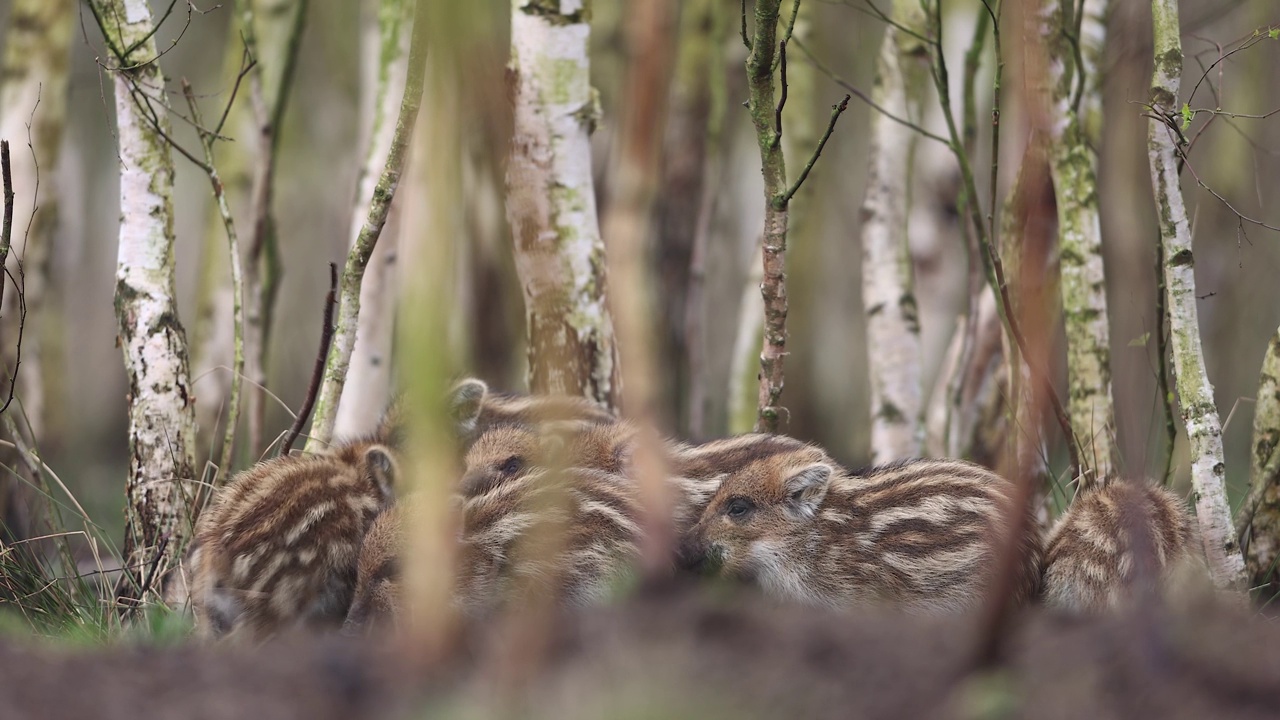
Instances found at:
x=339 y=359
x=551 y=203
x=33 y=90
x=1073 y=133
x=893 y=328
x=1259 y=517
x=368 y=384
x=161 y=412
x=762 y=106
x=1195 y=394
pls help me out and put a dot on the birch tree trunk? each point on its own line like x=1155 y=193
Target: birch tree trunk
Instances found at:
x=161 y=413
x=368 y=385
x=1259 y=518
x=33 y=89
x=1195 y=394
x=339 y=358
x=1073 y=133
x=893 y=328
x=551 y=206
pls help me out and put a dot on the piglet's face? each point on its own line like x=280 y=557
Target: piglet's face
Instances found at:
x=753 y=514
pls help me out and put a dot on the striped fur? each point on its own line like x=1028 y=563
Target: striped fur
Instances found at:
x=511 y=450
x=1111 y=540
x=921 y=535
x=574 y=534
x=278 y=546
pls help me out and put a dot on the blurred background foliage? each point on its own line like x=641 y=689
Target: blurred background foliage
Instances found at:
x=1237 y=267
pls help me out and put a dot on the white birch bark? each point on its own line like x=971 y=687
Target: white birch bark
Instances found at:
x=368 y=385
x=161 y=412
x=1195 y=394
x=1259 y=515
x=893 y=328
x=551 y=207
x=1073 y=133
x=339 y=357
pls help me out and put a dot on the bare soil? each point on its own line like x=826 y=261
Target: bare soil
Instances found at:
x=690 y=653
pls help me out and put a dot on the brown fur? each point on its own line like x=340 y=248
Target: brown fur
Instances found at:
x=509 y=451
x=920 y=535
x=278 y=546
x=574 y=534
x=1113 y=538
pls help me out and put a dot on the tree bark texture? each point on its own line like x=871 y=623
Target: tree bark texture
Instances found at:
x=893 y=327
x=1073 y=133
x=551 y=207
x=368 y=385
x=33 y=90
x=1195 y=394
x=1260 y=513
x=161 y=409
x=339 y=359
x=762 y=105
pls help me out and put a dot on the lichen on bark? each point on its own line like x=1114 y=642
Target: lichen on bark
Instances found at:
x=551 y=203
x=161 y=405
x=1199 y=414
x=1073 y=165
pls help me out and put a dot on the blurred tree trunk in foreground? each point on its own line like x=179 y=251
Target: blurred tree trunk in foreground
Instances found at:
x=161 y=411
x=1195 y=394
x=33 y=94
x=551 y=204
x=893 y=326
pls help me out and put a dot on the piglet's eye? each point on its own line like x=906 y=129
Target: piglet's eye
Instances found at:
x=738 y=508
x=512 y=465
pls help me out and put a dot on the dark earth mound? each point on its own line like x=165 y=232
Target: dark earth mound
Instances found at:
x=684 y=653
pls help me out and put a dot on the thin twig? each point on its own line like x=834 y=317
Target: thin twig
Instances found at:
x=836 y=111
x=6 y=230
x=864 y=97
x=237 y=287
x=317 y=372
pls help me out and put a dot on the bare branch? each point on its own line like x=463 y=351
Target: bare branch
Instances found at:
x=836 y=110
x=317 y=371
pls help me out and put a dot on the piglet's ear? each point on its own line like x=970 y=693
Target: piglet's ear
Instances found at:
x=381 y=470
x=806 y=488
x=465 y=402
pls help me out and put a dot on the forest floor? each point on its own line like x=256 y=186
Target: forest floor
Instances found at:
x=683 y=653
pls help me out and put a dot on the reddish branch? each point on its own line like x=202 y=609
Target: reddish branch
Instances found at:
x=317 y=371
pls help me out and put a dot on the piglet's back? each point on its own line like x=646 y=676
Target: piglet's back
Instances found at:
x=279 y=545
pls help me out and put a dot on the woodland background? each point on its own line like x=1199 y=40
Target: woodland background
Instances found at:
x=322 y=145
